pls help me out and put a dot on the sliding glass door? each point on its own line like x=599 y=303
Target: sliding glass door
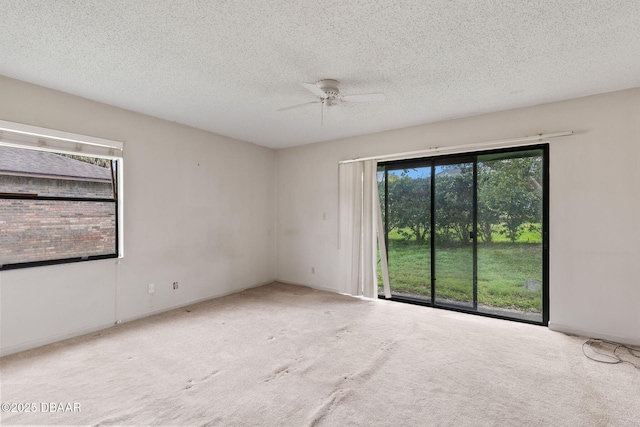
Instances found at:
x=510 y=225
x=469 y=232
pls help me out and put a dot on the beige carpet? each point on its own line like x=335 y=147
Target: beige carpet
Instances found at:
x=282 y=355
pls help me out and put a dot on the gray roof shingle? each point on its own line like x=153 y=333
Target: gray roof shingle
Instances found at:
x=17 y=161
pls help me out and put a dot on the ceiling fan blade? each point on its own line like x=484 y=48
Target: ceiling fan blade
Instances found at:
x=311 y=87
x=364 y=97
x=297 y=106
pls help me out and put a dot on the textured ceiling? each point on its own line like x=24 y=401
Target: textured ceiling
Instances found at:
x=227 y=66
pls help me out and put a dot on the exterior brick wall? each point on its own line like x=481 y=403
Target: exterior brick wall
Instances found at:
x=40 y=230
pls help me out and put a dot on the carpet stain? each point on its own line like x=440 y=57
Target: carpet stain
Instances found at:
x=284 y=370
x=386 y=345
x=332 y=401
x=191 y=383
x=343 y=331
x=342 y=390
x=212 y=423
x=379 y=357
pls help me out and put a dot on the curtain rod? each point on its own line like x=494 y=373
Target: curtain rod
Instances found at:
x=39 y=132
x=503 y=142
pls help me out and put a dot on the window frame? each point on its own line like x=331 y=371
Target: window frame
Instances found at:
x=20 y=136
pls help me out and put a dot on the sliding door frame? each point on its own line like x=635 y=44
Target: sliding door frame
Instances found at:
x=432 y=161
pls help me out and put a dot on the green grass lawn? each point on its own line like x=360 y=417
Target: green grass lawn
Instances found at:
x=503 y=268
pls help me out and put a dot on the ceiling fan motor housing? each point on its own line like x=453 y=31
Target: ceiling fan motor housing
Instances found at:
x=330 y=87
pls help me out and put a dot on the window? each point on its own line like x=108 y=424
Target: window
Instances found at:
x=59 y=198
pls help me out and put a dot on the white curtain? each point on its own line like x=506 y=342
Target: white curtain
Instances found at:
x=360 y=221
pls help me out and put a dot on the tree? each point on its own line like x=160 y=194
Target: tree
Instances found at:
x=489 y=201
x=510 y=193
x=409 y=205
x=454 y=203
x=104 y=163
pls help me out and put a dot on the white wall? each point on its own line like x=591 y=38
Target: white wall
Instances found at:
x=594 y=204
x=199 y=209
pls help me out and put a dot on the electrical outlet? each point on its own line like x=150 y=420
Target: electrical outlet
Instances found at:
x=152 y=288
x=175 y=285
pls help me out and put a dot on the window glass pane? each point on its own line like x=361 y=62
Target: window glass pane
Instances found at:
x=409 y=225
x=510 y=217
x=453 y=210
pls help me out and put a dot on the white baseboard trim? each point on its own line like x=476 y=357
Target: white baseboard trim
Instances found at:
x=185 y=304
x=594 y=334
x=325 y=289
x=28 y=345
x=319 y=288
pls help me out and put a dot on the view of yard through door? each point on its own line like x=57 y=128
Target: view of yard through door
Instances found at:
x=467 y=231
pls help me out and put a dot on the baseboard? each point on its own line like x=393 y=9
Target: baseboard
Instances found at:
x=5 y=351
x=17 y=348
x=593 y=334
x=319 y=288
x=191 y=302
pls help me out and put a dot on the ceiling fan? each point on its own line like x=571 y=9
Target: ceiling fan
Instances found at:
x=329 y=96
